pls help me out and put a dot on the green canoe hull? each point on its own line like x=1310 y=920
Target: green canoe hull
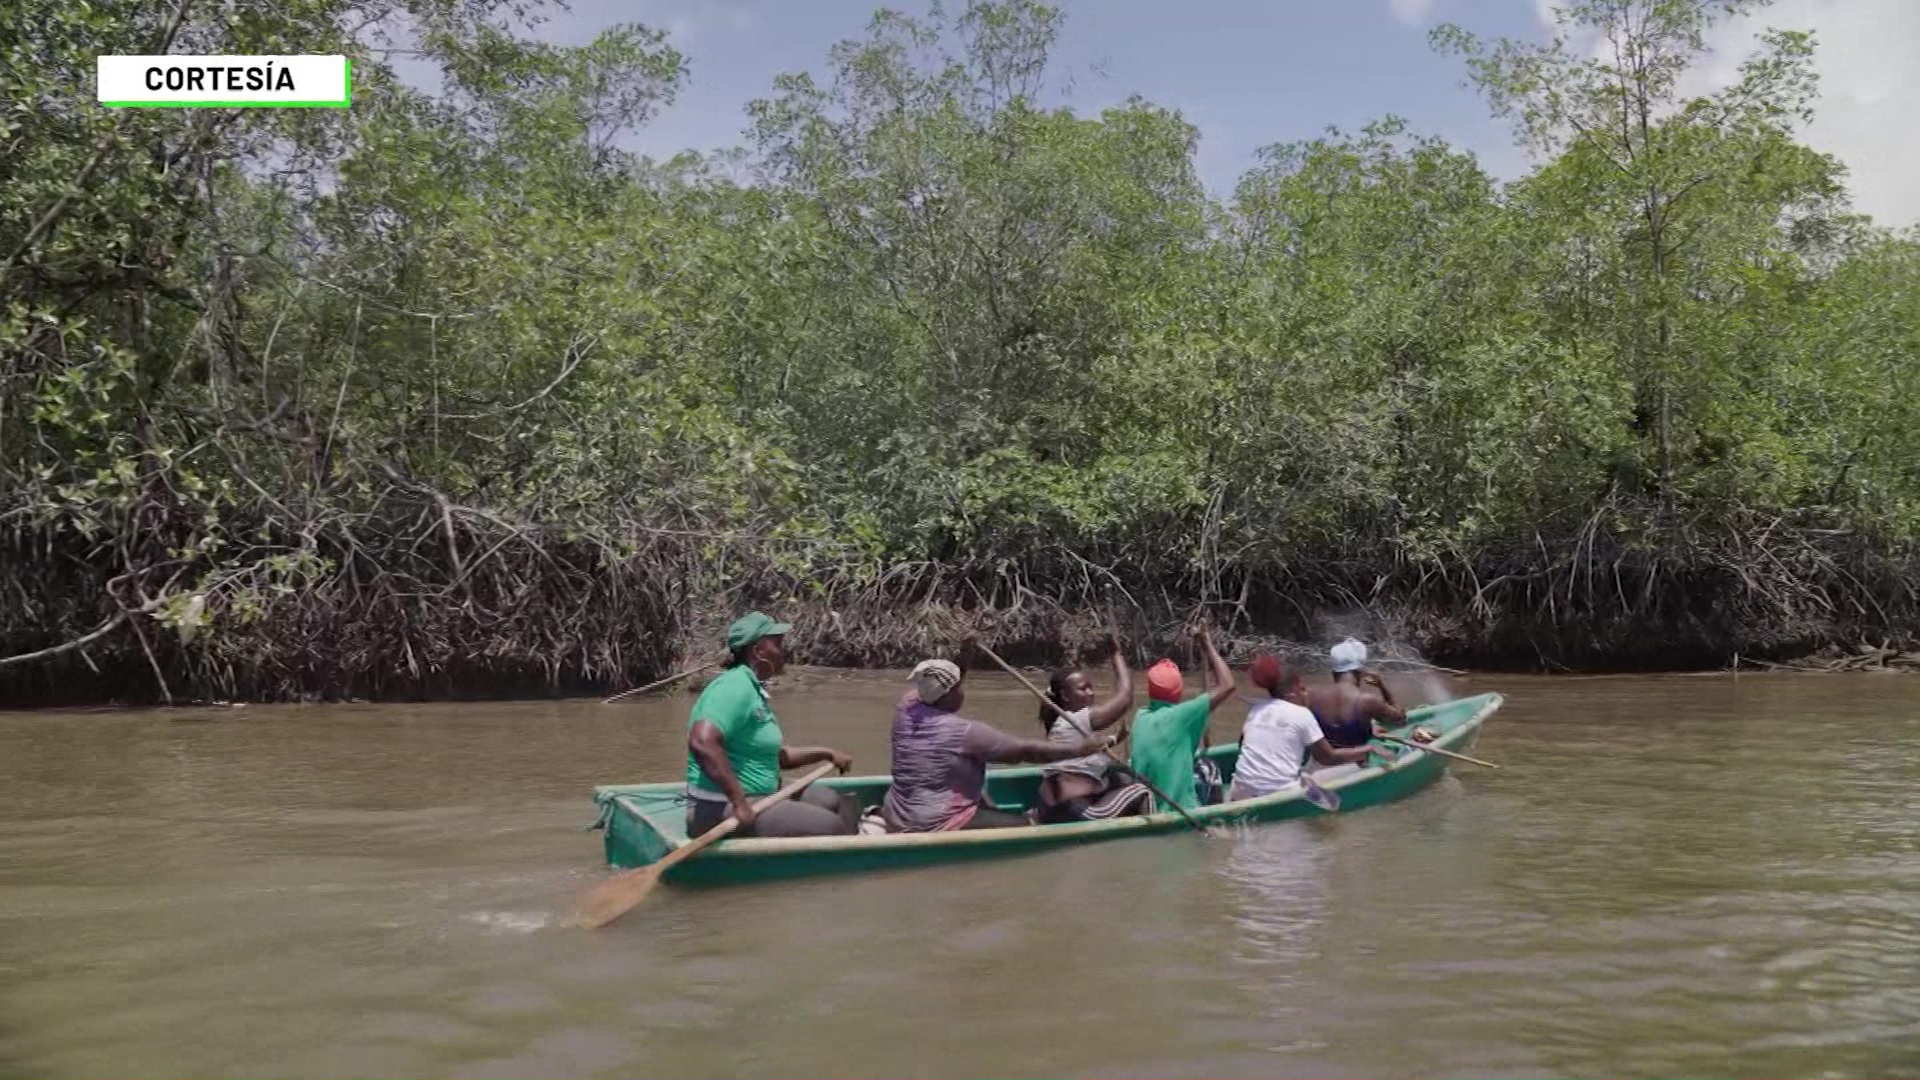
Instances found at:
x=643 y=822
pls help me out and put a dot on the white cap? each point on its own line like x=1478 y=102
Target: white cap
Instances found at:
x=1349 y=655
x=933 y=678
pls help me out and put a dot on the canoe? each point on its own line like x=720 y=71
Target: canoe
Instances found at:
x=643 y=822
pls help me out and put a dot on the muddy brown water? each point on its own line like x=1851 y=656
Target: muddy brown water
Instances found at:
x=1671 y=876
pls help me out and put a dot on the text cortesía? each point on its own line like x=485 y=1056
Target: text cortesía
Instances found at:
x=159 y=82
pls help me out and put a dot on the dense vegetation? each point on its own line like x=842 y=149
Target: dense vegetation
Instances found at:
x=448 y=393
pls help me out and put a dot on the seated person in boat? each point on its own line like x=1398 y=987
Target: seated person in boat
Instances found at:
x=1087 y=788
x=1167 y=734
x=1282 y=734
x=940 y=758
x=735 y=750
x=1351 y=708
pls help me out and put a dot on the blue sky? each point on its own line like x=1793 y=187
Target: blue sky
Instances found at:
x=1250 y=73
x=1247 y=73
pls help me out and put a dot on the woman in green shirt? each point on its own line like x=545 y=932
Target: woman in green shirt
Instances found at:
x=1167 y=735
x=735 y=750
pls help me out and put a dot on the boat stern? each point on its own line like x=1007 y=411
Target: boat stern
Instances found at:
x=640 y=824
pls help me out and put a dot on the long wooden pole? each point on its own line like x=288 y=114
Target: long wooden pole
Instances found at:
x=708 y=666
x=1436 y=750
x=1062 y=713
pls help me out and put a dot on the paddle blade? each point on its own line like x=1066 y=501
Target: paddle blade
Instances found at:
x=1319 y=796
x=616 y=896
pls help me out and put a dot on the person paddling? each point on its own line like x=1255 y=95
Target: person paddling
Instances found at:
x=1281 y=735
x=940 y=758
x=735 y=749
x=1167 y=735
x=1351 y=707
x=1087 y=788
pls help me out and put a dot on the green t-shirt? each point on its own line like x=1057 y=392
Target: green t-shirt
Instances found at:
x=1165 y=738
x=736 y=703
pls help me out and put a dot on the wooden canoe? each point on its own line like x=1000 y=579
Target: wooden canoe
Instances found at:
x=643 y=822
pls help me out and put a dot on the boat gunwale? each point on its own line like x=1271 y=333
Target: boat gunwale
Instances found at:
x=762 y=847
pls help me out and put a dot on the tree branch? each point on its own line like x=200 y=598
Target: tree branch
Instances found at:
x=82 y=642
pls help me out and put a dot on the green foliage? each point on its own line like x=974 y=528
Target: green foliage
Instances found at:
x=942 y=323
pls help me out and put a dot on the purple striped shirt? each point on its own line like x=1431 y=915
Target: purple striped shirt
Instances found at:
x=939 y=766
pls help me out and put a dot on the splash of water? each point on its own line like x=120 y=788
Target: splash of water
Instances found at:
x=512 y=922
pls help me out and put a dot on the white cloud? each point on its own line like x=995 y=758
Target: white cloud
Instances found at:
x=1411 y=12
x=1867 y=54
x=1867 y=57
x=685 y=21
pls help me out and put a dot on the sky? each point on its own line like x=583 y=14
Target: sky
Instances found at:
x=1250 y=73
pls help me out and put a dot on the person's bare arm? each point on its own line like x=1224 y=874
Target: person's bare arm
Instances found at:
x=996 y=747
x=799 y=757
x=710 y=750
x=1326 y=753
x=1385 y=708
x=1109 y=712
x=1390 y=714
x=1381 y=709
x=1220 y=675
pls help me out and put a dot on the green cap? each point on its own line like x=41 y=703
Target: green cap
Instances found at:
x=751 y=627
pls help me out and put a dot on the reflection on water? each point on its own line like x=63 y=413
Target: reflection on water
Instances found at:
x=1670 y=876
x=1276 y=881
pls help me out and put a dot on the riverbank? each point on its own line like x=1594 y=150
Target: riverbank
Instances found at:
x=245 y=664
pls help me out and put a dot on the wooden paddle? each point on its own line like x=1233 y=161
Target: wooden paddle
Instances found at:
x=624 y=891
x=708 y=666
x=1122 y=769
x=1317 y=795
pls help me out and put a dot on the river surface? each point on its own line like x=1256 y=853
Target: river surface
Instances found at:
x=1670 y=876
